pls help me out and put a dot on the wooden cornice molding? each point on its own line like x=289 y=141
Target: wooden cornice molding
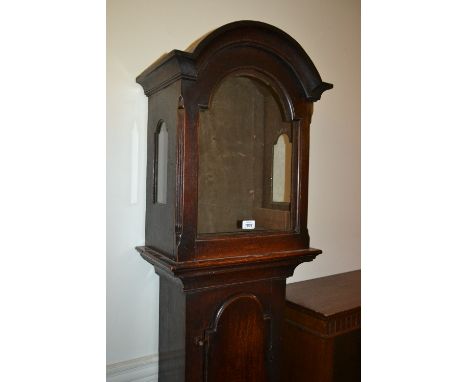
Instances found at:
x=228 y=270
x=186 y=65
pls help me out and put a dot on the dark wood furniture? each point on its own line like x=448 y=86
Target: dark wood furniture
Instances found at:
x=226 y=204
x=322 y=330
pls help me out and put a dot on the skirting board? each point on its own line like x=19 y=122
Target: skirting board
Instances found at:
x=143 y=369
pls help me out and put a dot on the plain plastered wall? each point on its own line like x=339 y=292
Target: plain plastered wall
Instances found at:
x=138 y=32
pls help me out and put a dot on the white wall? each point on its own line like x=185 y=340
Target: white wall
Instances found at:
x=138 y=32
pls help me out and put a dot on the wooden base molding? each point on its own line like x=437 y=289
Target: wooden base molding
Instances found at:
x=143 y=369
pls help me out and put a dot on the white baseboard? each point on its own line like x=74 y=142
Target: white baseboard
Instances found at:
x=143 y=369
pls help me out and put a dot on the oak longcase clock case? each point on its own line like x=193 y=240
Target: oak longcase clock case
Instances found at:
x=226 y=197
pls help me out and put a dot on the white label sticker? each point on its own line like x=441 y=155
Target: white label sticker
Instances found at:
x=248 y=224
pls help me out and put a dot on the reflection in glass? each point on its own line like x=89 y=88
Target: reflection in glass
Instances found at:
x=282 y=169
x=162 y=164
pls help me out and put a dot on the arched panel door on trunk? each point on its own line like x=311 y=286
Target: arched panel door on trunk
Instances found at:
x=236 y=350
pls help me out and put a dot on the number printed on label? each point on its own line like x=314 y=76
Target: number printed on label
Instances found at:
x=248 y=224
